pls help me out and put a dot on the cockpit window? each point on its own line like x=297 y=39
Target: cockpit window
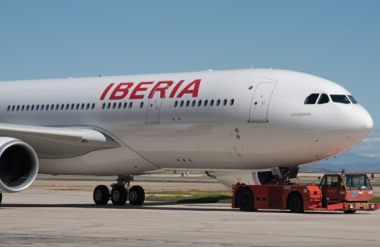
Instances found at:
x=311 y=99
x=353 y=101
x=323 y=99
x=339 y=98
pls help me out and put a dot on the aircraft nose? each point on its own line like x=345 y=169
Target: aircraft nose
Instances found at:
x=356 y=124
x=369 y=123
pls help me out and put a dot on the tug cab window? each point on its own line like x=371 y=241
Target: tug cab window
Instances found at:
x=311 y=99
x=357 y=182
x=323 y=99
x=337 y=98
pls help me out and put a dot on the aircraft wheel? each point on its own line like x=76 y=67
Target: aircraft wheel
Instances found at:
x=1 y=197
x=119 y=195
x=295 y=203
x=101 y=195
x=136 y=195
x=349 y=211
x=245 y=200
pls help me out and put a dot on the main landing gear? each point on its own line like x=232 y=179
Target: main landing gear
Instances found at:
x=119 y=193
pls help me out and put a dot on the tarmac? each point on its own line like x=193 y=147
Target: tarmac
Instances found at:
x=62 y=213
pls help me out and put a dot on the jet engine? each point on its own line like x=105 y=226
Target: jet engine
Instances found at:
x=18 y=165
x=274 y=176
x=230 y=178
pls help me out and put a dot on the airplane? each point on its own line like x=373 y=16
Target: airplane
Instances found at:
x=237 y=125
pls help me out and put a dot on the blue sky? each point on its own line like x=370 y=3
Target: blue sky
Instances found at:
x=338 y=40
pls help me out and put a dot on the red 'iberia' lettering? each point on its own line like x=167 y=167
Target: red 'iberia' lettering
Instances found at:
x=176 y=89
x=121 y=90
x=139 y=91
x=189 y=90
x=159 y=89
x=106 y=91
x=140 y=88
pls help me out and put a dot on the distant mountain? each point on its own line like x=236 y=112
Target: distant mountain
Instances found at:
x=349 y=161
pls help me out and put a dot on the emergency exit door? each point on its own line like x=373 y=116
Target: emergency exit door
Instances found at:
x=260 y=102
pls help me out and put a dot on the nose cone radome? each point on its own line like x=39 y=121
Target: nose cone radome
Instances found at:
x=368 y=123
x=356 y=124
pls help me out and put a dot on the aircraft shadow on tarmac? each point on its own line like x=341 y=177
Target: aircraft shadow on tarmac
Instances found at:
x=147 y=205
x=161 y=206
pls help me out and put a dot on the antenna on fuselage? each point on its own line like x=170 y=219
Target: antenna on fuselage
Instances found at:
x=250 y=65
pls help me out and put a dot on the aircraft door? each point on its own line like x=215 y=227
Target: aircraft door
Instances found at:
x=154 y=108
x=260 y=102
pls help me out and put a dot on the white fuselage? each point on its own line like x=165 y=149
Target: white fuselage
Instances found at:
x=257 y=120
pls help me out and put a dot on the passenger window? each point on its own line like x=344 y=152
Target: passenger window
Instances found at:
x=323 y=99
x=353 y=101
x=187 y=103
x=130 y=105
x=339 y=98
x=205 y=103
x=232 y=101
x=199 y=102
x=311 y=99
x=194 y=102
x=181 y=103
x=142 y=104
x=37 y=107
x=212 y=102
x=218 y=102
x=176 y=103
x=224 y=102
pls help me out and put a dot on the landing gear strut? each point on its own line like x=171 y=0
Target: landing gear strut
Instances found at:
x=281 y=175
x=119 y=193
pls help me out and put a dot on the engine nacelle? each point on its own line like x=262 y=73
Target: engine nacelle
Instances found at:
x=277 y=175
x=230 y=178
x=18 y=165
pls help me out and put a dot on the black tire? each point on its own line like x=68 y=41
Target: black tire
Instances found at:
x=1 y=197
x=295 y=203
x=101 y=195
x=136 y=195
x=349 y=211
x=245 y=200
x=119 y=195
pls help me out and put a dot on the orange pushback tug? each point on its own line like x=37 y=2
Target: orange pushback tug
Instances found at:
x=345 y=192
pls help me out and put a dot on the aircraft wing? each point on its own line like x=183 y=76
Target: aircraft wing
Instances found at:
x=59 y=142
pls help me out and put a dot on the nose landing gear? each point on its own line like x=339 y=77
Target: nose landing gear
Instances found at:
x=119 y=193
